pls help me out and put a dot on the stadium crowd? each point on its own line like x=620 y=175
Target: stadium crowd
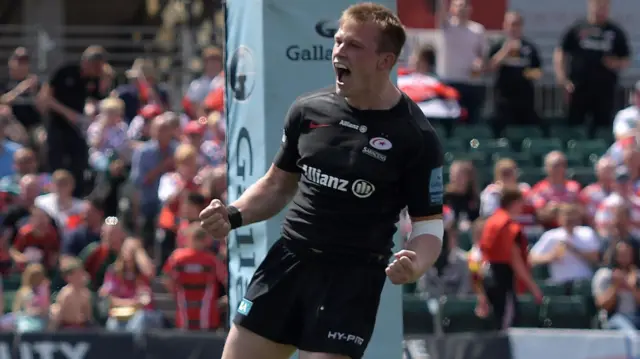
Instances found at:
x=101 y=185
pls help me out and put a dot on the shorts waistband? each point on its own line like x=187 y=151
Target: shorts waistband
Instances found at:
x=306 y=250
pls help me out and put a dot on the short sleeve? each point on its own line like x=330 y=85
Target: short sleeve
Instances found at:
x=167 y=268
x=568 y=41
x=422 y=182
x=287 y=157
x=621 y=43
x=623 y=124
x=544 y=244
x=601 y=281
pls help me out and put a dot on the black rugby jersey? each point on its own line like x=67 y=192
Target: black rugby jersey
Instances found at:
x=359 y=169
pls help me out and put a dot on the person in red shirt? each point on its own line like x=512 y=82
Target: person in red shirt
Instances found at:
x=37 y=241
x=190 y=210
x=197 y=278
x=504 y=249
x=548 y=194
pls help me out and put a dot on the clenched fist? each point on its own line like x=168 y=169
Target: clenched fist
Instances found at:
x=404 y=268
x=215 y=219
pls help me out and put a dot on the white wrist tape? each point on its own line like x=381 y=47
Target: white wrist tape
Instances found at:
x=434 y=227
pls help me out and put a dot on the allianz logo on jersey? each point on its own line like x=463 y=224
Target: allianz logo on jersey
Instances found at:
x=353 y=126
x=360 y=188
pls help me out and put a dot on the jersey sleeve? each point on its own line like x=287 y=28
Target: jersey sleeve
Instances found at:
x=287 y=157
x=422 y=181
x=621 y=46
x=568 y=41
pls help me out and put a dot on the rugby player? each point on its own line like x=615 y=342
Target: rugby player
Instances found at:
x=352 y=157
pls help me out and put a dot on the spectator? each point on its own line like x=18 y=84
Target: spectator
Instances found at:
x=37 y=242
x=65 y=97
x=143 y=89
x=517 y=65
x=150 y=162
x=462 y=193
x=87 y=233
x=60 y=204
x=461 y=54
x=126 y=287
x=505 y=173
x=197 y=278
x=26 y=163
x=620 y=230
x=210 y=80
x=592 y=195
x=98 y=256
x=594 y=50
x=504 y=248
x=140 y=127
x=423 y=60
x=210 y=153
x=107 y=136
x=450 y=274
x=189 y=211
x=7 y=149
x=615 y=289
x=616 y=151
x=73 y=308
x=18 y=213
x=570 y=251
x=20 y=89
x=623 y=193
x=548 y=194
x=625 y=123
x=31 y=303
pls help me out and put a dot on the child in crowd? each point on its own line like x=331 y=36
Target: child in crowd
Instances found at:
x=72 y=309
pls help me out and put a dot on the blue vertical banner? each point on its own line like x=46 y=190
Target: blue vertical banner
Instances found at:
x=276 y=51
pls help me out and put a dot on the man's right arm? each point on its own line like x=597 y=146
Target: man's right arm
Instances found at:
x=271 y=193
x=567 y=44
x=47 y=94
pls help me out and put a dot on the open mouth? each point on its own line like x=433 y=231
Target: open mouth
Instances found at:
x=342 y=71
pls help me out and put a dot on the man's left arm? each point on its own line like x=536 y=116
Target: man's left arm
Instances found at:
x=424 y=191
x=621 y=52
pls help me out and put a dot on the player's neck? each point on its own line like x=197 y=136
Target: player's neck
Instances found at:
x=382 y=98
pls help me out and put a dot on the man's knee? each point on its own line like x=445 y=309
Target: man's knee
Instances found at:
x=245 y=344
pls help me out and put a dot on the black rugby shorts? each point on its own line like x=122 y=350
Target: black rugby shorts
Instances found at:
x=313 y=301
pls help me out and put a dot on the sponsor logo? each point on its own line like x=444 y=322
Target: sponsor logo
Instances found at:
x=362 y=188
x=350 y=338
x=326 y=28
x=375 y=154
x=316 y=176
x=380 y=143
x=318 y=125
x=242 y=74
x=436 y=186
x=47 y=350
x=245 y=306
x=361 y=128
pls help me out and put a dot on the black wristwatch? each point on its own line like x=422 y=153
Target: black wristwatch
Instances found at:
x=235 y=217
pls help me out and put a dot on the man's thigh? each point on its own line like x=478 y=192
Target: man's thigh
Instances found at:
x=340 y=311
x=244 y=344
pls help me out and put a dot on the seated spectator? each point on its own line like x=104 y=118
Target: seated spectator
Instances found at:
x=37 y=242
x=617 y=149
x=626 y=121
x=150 y=162
x=26 y=163
x=107 y=136
x=73 y=308
x=126 y=287
x=197 y=278
x=174 y=186
x=210 y=79
x=450 y=273
x=615 y=289
x=98 y=256
x=505 y=173
x=548 y=194
x=210 y=153
x=89 y=232
x=462 y=193
x=176 y=122
x=592 y=195
x=190 y=210
x=31 y=303
x=140 y=127
x=619 y=230
x=623 y=193
x=60 y=204
x=570 y=251
x=18 y=213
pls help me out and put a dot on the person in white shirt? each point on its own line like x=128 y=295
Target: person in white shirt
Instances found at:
x=626 y=121
x=570 y=250
x=60 y=204
x=461 y=55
